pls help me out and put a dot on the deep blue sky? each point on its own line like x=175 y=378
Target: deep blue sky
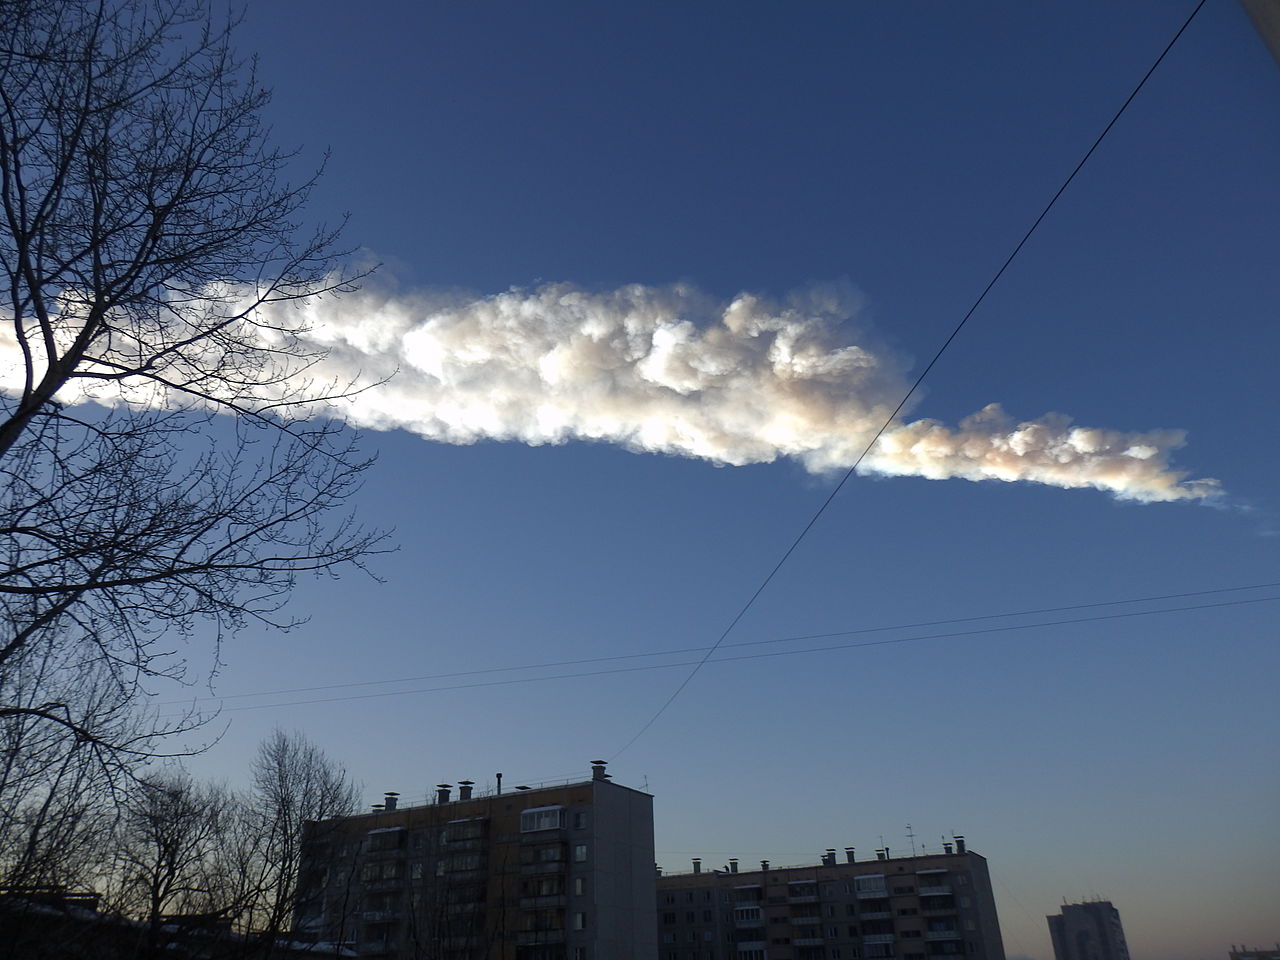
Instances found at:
x=904 y=148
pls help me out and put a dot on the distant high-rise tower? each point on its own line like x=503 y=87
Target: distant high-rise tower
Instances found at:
x=1088 y=931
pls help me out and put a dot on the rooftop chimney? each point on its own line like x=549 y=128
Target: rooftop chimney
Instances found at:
x=829 y=858
x=959 y=839
x=848 y=854
x=377 y=806
x=764 y=865
x=597 y=770
x=389 y=799
x=946 y=847
x=523 y=787
x=442 y=792
x=697 y=864
x=733 y=864
x=882 y=853
x=464 y=789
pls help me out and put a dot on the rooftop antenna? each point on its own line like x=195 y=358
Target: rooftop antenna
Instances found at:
x=912 y=837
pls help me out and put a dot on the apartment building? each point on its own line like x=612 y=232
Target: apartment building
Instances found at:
x=561 y=872
x=1088 y=931
x=909 y=908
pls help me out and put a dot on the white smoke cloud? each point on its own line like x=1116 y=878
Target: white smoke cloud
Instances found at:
x=670 y=370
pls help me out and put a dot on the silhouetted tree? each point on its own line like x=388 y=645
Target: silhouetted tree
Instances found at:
x=295 y=788
x=145 y=220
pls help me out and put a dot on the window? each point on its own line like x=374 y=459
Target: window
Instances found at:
x=908 y=912
x=668 y=917
x=579 y=853
x=668 y=937
x=690 y=917
x=579 y=886
x=580 y=821
x=579 y=920
x=579 y=953
x=541 y=818
x=872 y=886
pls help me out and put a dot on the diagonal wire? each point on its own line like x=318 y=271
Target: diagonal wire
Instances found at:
x=907 y=396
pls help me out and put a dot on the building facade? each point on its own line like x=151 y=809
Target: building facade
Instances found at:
x=1088 y=931
x=553 y=873
x=909 y=908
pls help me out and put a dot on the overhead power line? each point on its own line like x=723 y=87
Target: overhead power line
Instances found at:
x=582 y=661
x=907 y=396
x=511 y=681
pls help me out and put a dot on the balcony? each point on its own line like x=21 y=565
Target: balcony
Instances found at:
x=942 y=934
x=876 y=893
x=807 y=941
x=377 y=916
x=803 y=898
x=876 y=915
x=878 y=937
x=811 y=919
x=935 y=890
x=550 y=900
x=557 y=866
x=529 y=937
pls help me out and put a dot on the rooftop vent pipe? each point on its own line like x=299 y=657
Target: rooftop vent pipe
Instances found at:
x=442 y=792
x=764 y=865
x=389 y=800
x=733 y=864
x=848 y=854
x=597 y=770
x=697 y=864
x=829 y=858
x=882 y=853
x=464 y=789
x=959 y=839
x=946 y=847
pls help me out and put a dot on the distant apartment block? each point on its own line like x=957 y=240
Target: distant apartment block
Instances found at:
x=1254 y=953
x=909 y=908
x=1088 y=931
x=552 y=873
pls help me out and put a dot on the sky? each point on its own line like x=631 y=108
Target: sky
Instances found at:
x=650 y=274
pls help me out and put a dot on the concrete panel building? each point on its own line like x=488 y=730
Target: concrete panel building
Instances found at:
x=1088 y=931
x=554 y=873
x=909 y=908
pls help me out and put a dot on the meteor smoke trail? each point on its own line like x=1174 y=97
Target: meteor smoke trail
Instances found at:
x=671 y=370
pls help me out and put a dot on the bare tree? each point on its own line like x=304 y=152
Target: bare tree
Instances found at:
x=295 y=789
x=169 y=852
x=145 y=221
